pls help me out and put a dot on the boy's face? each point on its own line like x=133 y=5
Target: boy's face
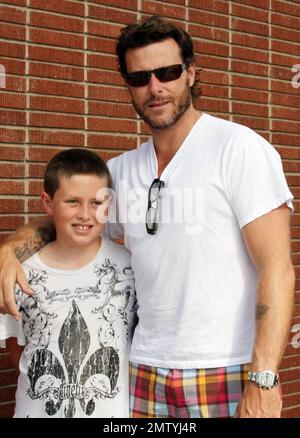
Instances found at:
x=74 y=207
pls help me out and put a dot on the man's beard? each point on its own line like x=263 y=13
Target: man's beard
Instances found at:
x=181 y=104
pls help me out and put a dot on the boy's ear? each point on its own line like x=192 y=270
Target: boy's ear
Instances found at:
x=47 y=203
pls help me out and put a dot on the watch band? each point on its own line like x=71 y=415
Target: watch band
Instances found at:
x=264 y=379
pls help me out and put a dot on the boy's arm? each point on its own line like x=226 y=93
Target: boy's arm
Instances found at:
x=15 y=352
x=20 y=246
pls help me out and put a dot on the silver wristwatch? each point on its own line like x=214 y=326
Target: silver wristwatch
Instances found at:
x=264 y=379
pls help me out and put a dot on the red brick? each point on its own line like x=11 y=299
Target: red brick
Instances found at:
x=59 y=56
x=113 y=15
x=15 y=2
x=10 y=223
x=212 y=62
x=245 y=40
x=203 y=17
x=286 y=8
x=42 y=154
x=105 y=77
x=11 y=153
x=286 y=139
x=241 y=25
x=258 y=124
x=126 y=4
x=281 y=126
x=249 y=68
x=261 y=4
x=9 y=100
x=250 y=95
x=110 y=109
x=109 y=94
x=63 y=6
x=11 y=170
x=7 y=393
x=102 y=61
x=104 y=29
x=221 y=7
x=10 y=117
x=111 y=142
x=52 y=21
x=11 y=205
x=250 y=13
x=12 y=15
x=57 y=104
x=12 y=50
x=13 y=32
x=9 y=187
x=35 y=206
x=57 y=88
x=7 y=410
x=112 y=125
x=285 y=34
x=15 y=83
x=52 y=38
x=101 y=44
x=159 y=8
x=14 y=66
x=56 y=138
x=35 y=187
x=249 y=82
x=283 y=47
x=250 y=54
x=211 y=48
x=36 y=170
x=290 y=153
x=286 y=60
x=286 y=113
x=56 y=71
x=56 y=121
x=12 y=135
x=211 y=33
x=214 y=91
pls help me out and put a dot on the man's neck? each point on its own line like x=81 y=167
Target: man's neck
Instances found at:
x=168 y=141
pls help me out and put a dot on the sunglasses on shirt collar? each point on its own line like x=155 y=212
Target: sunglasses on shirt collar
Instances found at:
x=163 y=74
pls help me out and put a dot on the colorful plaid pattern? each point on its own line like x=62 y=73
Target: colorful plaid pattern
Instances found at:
x=185 y=393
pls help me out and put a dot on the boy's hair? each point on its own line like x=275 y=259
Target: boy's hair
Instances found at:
x=73 y=162
x=155 y=29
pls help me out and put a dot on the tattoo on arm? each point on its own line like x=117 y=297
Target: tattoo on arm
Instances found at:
x=33 y=244
x=261 y=310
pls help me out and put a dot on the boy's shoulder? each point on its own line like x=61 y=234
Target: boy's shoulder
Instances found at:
x=114 y=250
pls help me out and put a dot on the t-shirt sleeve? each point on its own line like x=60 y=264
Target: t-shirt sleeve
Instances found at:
x=255 y=180
x=11 y=328
x=113 y=229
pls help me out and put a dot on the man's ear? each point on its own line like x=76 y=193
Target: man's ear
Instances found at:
x=191 y=72
x=47 y=203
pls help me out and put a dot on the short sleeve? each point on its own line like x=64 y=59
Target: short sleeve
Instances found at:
x=254 y=179
x=11 y=328
x=113 y=229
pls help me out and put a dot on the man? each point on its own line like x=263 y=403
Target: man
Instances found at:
x=200 y=278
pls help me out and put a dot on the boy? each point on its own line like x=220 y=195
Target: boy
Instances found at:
x=72 y=341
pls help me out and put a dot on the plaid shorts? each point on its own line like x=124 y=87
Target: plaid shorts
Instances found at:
x=185 y=393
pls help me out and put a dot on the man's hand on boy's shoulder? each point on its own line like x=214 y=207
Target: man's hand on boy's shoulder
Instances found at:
x=11 y=273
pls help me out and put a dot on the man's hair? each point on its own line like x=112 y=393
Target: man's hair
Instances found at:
x=155 y=29
x=73 y=162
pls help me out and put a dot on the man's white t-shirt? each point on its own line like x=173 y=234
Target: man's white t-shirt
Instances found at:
x=76 y=330
x=195 y=283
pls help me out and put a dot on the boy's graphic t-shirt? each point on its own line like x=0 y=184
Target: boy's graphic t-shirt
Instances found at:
x=76 y=329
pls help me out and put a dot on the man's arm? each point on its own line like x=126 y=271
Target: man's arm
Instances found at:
x=19 y=247
x=268 y=242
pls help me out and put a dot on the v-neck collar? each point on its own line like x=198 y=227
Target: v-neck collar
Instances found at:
x=177 y=158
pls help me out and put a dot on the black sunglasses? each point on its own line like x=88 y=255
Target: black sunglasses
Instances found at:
x=152 y=211
x=163 y=74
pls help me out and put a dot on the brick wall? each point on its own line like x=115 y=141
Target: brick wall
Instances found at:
x=62 y=89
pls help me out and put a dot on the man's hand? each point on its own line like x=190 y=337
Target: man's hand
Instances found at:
x=11 y=272
x=259 y=403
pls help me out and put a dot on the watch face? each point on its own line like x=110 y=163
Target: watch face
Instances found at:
x=266 y=378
